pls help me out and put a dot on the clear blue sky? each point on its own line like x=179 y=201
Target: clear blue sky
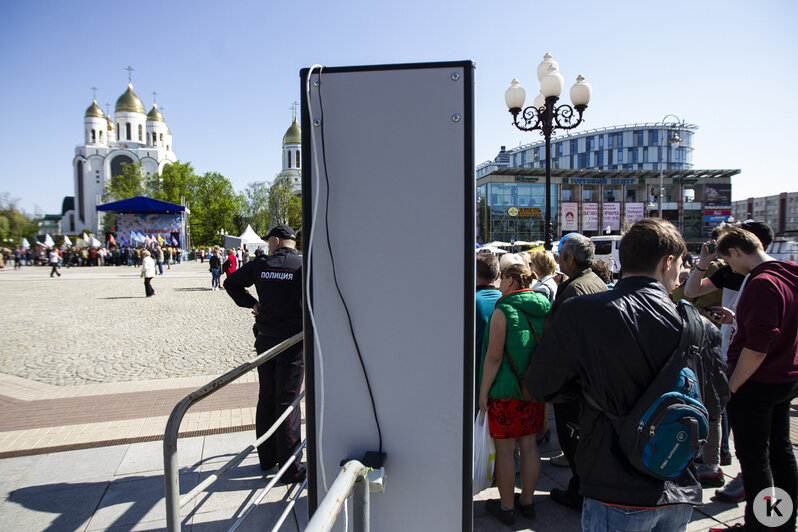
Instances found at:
x=227 y=72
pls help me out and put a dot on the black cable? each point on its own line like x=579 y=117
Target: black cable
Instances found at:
x=332 y=262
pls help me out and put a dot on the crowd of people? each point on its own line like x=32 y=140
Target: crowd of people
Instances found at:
x=561 y=328
x=73 y=256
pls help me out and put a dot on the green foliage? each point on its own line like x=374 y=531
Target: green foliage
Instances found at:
x=129 y=184
x=257 y=206
x=214 y=205
x=285 y=203
x=175 y=182
x=14 y=223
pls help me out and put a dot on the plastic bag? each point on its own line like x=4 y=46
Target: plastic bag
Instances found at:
x=484 y=454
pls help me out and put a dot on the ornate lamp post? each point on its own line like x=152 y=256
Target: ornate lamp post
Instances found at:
x=674 y=140
x=544 y=115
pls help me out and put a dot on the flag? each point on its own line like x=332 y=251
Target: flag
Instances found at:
x=96 y=243
x=67 y=241
x=48 y=240
x=174 y=242
x=122 y=240
x=25 y=243
x=111 y=240
x=161 y=240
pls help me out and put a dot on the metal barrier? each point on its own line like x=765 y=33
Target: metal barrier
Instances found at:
x=171 y=470
x=352 y=474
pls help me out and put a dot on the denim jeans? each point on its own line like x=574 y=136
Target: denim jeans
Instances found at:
x=759 y=414
x=600 y=517
x=215 y=274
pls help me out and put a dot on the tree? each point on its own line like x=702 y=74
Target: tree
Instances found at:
x=130 y=183
x=14 y=223
x=175 y=182
x=285 y=203
x=214 y=206
x=257 y=206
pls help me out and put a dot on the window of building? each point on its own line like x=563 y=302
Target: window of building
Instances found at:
x=609 y=156
x=582 y=160
x=559 y=149
x=127 y=130
x=620 y=139
x=638 y=137
x=574 y=146
x=160 y=136
x=601 y=142
x=97 y=176
x=101 y=135
x=612 y=194
x=141 y=133
x=628 y=167
x=571 y=161
x=611 y=141
x=653 y=137
x=631 y=194
x=568 y=192
x=288 y=153
x=645 y=155
x=297 y=158
x=599 y=158
x=591 y=143
x=588 y=191
x=620 y=156
x=633 y=154
x=93 y=136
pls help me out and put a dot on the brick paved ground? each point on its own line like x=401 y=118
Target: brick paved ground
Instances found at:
x=87 y=360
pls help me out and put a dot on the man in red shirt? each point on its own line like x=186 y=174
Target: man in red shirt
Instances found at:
x=763 y=361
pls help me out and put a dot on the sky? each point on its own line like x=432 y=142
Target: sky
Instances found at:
x=226 y=74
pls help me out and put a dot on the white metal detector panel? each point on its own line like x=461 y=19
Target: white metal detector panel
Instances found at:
x=395 y=145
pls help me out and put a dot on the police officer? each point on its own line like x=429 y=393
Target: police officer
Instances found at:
x=278 y=315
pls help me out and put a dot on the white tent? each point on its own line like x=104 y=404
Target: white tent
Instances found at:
x=248 y=238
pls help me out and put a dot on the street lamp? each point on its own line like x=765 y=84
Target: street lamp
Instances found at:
x=222 y=233
x=674 y=140
x=543 y=115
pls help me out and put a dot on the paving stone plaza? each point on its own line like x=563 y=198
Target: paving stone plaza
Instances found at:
x=89 y=372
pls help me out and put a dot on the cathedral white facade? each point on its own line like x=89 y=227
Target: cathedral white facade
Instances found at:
x=133 y=136
x=292 y=153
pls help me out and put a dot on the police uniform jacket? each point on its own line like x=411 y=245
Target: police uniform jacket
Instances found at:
x=278 y=282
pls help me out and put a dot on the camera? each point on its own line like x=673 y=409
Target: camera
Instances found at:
x=712 y=247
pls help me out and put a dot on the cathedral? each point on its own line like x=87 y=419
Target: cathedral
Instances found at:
x=132 y=136
x=135 y=136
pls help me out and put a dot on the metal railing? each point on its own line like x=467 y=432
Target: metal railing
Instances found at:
x=174 y=502
x=352 y=474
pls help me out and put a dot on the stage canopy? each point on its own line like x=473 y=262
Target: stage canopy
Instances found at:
x=141 y=204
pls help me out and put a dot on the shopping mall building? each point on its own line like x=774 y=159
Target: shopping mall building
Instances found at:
x=602 y=180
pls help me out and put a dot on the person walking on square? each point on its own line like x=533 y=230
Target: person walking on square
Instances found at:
x=611 y=346
x=159 y=258
x=54 y=257
x=278 y=316
x=148 y=272
x=215 y=267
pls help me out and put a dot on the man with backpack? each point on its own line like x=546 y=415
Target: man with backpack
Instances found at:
x=625 y=349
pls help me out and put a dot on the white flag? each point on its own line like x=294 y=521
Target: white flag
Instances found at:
x=48 y=240
x=67 y=241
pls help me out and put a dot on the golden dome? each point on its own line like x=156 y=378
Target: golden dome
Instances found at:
x=293 y=135
x=94 y=111
x=130 y=102
x=155 y=115
x=111 y=125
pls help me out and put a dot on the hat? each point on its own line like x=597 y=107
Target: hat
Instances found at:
x=282 y=231
x=762 y=231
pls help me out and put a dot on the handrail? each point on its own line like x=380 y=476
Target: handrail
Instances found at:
x=171 y=469
x=325 y=515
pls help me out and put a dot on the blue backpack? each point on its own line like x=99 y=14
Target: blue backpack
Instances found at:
x=666 y=428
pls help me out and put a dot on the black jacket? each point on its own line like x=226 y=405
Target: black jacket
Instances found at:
x=613 y=344
x=278 y=282
x=214 y=262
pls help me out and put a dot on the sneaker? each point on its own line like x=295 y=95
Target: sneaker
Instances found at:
x=527 y=510
x=733 y=492
x=709 y=478
x=494 y=508
x=560 y=460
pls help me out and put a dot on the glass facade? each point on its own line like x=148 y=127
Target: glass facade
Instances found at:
x=516 y=210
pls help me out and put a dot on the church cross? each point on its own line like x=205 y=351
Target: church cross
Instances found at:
x=129 y=74
x=94 y=93
x=293 y=110
x=154 y=95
